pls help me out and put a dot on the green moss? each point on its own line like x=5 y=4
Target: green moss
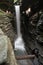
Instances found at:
x=2 y=12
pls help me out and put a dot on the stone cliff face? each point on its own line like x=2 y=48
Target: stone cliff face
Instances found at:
x=33 y=34
x=6 y=26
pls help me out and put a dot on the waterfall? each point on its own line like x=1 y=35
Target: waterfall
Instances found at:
x=17 y=10
x=19 y=43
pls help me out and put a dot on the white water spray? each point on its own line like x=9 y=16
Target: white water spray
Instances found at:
x=19 y=43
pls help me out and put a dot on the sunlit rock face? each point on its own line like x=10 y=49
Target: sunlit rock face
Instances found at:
x=3 y=47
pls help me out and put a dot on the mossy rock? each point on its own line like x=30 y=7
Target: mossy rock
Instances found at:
x=6 y=25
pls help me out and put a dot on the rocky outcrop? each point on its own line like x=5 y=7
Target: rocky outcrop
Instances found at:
x=3 y=47
x=33 y=35
x=6 y=50
x=6 y=26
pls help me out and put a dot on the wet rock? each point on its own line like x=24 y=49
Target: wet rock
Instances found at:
x=34 y=38
x=40 y=30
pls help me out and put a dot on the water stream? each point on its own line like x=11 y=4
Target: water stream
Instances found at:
x=19 y=43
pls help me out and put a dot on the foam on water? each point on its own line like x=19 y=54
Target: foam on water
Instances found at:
x=19 y=44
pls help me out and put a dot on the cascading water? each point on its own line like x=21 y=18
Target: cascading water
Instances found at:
x=19 y=43
x=17 y=10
